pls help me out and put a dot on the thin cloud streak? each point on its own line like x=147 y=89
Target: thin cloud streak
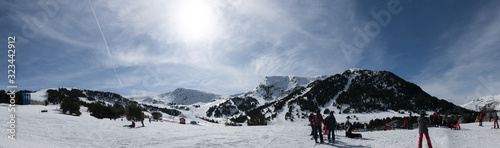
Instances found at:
x=261 y=45
x=105 y=43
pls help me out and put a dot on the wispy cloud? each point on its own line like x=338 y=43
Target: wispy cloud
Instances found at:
x=253 y=39
x=248 y=41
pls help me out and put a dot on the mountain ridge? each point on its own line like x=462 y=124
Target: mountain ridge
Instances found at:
x=290 y=97
x=483 y=104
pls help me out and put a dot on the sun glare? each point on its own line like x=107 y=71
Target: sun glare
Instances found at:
x=196 y=20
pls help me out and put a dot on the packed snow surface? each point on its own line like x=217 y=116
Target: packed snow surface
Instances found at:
x=53 y=129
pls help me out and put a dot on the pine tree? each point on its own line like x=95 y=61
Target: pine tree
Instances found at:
x=134 y=112
x=71 y=107
x=157 y=115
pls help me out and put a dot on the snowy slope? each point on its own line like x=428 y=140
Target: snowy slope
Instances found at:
x=276 y=87
x=179 y=96
x=487 y=102
x=41 y=95
x=52 y=129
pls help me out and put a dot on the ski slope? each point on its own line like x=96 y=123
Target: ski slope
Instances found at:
x=53 y=129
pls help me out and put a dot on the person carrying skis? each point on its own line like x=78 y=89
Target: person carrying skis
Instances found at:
x=317 y=120
x=311 y=116
x=331 y=123
x=422 y=129
x=495 y=121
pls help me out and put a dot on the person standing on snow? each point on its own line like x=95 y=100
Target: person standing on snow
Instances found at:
x=495 y=121
x=317 y=120
x=422 y=129
x=457 y=123
x=445 y=122
x=311 y=116
x=365 y=127
x=480 y=119
x=410 y=123
x=331 y=123
x=142 y=121
x=436 y=116
x=406 y=124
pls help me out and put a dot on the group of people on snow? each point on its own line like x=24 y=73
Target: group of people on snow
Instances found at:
x=316 y=121
x=330 y=125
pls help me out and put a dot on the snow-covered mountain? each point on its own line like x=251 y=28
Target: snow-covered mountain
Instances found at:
x=58 y=94
x=484 y=104
x=354 y=91
x=178 y=96
x=282 y=97
x=277 y=87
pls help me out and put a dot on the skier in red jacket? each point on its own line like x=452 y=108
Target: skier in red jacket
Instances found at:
x=436 y=116
x=317 y=121
x=406 y=124
x=480 y=119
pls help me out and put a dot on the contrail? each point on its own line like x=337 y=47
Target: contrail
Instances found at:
x=106 y=43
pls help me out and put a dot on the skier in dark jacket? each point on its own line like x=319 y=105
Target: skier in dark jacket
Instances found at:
x=311 y=116
x=331 y=123
x=495 y=120
x=317 y=120
x=410 y=121
x=422 y=129
x=348 y=131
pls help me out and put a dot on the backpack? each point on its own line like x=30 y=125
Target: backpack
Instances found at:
x=317 y=119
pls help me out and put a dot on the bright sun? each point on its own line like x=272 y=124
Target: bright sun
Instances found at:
x=196 y=20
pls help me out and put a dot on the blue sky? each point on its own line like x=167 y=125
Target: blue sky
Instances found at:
x=449 y=48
